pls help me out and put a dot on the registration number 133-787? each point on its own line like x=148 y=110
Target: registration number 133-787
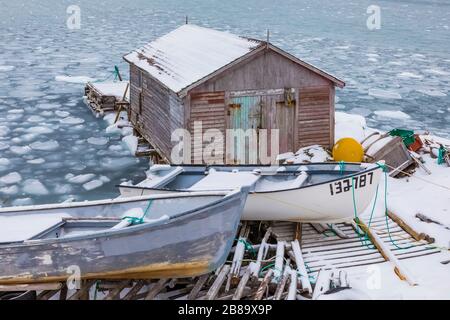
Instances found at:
x=346 y=185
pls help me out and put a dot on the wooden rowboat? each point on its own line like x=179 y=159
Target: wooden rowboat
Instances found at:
x=181 y=235
x=316 y=192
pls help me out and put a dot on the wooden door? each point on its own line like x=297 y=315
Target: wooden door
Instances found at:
x=244 y=113
x=285 y=123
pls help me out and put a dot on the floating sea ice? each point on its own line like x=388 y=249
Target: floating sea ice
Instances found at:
x=20 y=149
x=22 y=202
x=3 y=145
x=131 y=142
x=437 y=72
x=45 y=145
x=115 y=147
x=118 y=163
x=35 y=187
x=4 y=162
x=105 y=179
x=36 y=161
x=48 y=106
x=62 y=114
x=432 y=92
x=81 y=178
x=93 y=184
x=72 y=120
x=392 y=114
x=35 y=119
x=409 y=75
x=74 y=79
x=62 y=188
x=40 y=130
x=99 y=141
x=15 y=111
x=11 y=178
x=384 y=94
x=6 y=68
x=9 y=190
x=4 y=130
x=113 y=129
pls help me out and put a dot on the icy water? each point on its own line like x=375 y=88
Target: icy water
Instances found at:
x=45 y=151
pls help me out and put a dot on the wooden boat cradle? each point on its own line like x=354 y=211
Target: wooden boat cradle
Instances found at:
x=322 y=248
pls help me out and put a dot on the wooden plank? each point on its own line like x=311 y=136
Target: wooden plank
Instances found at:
x=263 y=286
x=198 y=286
x=156 y=288
x=31 y=287
x=214 y=290
x=134 y=290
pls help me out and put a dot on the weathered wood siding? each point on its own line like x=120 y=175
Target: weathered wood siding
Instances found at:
x=314 y=117
x=270 y=70
x=155 y=111
x=209 y=109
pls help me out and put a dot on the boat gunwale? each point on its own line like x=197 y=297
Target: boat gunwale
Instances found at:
x=231 y=196
x=366 y=170
x=112 y=201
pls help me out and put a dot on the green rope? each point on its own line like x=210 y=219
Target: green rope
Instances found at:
x=248 y=246
x=136 y=220
x=386 y=212
x=341 y=167
x=441 y=153
x=96 y=289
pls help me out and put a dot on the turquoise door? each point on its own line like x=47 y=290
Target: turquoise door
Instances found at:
x=244 y=113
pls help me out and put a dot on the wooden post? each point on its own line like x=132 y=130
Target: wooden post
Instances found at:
x=279 y=261
x=136 y=288
x=399 y=268
x=262 y=252
x=156 y=288
x=265 y=282
x=214 y=290
x=282 y=283
x=241 y=286
x=114 y=293
x=83 y=292
x=292 y=293
x=301 y=267
x=417 y=236
x=198 y=286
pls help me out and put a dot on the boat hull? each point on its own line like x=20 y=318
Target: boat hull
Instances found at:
x=185 y=246
x=327 y=202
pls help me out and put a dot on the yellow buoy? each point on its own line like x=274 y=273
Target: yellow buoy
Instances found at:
x=348 y=150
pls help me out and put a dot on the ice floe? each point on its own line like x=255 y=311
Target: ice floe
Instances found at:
x=392 y=114
x=45 y=145
x=384 y=94
x=34 y=187
x=99 y=141
x=74 y=79
x=11 y=178
x=72 y=120
x=93 y=184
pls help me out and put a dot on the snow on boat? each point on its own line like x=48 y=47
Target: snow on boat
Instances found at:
x=176 y=235
x=316 y=192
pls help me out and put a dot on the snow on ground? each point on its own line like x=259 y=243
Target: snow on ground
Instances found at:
x=420 y=194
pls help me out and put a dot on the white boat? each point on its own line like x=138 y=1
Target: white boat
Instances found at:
x=316 y=192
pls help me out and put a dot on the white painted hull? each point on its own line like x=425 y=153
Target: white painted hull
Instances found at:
x=329 y=202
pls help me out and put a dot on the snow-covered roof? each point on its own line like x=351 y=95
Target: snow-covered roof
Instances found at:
x=188 y=54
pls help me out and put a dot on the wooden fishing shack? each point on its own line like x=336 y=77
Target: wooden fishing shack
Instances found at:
x=226 y=81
